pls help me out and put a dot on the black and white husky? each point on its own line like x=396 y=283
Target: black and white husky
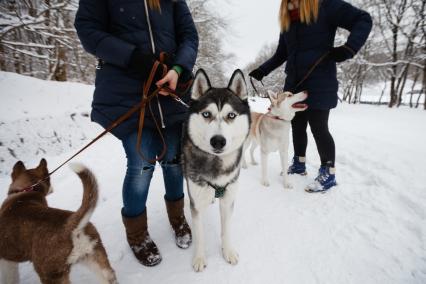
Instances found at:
x=213 y=139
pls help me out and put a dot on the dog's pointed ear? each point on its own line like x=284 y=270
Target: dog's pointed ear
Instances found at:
x=237 y=84
x=201 y=84
x=272 y=96
x=42 y=166
x=18 y=169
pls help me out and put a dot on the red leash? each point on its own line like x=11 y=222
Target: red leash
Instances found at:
x=29 y=188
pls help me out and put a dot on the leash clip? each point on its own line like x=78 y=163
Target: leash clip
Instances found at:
x=172 y=94
x=179 y=100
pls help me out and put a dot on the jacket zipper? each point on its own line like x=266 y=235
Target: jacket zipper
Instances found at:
x=151 y=36
x=160 y=110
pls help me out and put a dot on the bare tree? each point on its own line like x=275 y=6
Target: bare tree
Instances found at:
x=37 y=38
x=398 y=33
x=211 y=28
x=421 y=15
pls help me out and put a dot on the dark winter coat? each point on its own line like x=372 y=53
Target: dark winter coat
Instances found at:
x=302 y=45
x=111 y=30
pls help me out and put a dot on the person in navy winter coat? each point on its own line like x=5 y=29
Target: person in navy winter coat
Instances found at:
x=308 y=29
x=127 y=36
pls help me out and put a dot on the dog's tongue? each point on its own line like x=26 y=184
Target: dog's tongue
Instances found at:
x=300 y=105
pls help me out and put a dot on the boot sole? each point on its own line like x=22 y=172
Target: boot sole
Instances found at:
x=320 y=191
x=301 y=174
x=184 y=247
x=151 y=264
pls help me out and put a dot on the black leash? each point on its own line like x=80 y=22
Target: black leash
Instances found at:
x=309 y=73
x=315 y=65
x=254 y=87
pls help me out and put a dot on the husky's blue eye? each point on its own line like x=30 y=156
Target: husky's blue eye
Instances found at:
x=206 y=114
x=232 y=115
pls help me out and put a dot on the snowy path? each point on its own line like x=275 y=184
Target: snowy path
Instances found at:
x=370 y=229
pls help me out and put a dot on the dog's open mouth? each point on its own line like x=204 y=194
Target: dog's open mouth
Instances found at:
x=299 y=105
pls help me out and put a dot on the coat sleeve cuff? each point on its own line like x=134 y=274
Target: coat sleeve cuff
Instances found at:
x=178 y=69
x=350 y=50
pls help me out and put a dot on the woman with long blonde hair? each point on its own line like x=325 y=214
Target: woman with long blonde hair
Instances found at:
x=308 y=29
x=128 y=37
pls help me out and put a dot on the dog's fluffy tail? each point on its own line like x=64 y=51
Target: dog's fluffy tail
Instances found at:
x=79 y=219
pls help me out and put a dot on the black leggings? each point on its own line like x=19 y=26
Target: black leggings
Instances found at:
x=318 y=121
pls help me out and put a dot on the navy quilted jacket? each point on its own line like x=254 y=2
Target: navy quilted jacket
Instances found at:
x=302 y=45
x=111 y=30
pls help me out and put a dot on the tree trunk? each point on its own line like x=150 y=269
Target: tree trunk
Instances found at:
x=350 y=96
x=401 y=86
x=393 y=93
x=2 y=59
x=418 y=100
x=382 y=94
x=424 y=83
x=413 y=86
x=60 y=72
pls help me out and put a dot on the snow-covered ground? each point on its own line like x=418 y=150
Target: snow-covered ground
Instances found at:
x=369 y=229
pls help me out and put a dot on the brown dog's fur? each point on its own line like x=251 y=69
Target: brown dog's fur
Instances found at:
x=52 y=239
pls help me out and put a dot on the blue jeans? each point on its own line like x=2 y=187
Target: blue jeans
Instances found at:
x=139 y=172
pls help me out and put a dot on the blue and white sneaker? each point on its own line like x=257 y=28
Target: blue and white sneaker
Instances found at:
x=325 y=180
x=298 y=166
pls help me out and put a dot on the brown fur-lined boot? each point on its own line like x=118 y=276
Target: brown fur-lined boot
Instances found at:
x=139 y=240
x=177 y=219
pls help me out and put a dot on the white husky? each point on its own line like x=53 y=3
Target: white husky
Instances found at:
x=271 y=131
x=213 y=139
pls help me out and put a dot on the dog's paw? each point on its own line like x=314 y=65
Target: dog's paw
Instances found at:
x=244 y=166
x=230 y=255
x=199 y=263
x=265 y=183
x=254 y=163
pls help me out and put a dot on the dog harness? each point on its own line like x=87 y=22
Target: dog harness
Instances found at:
x=219 y=191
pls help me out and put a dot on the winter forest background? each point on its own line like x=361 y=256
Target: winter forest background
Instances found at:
x=370 y=229
x=37 y=38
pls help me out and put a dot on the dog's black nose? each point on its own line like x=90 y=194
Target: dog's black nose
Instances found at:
x=218 y=142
